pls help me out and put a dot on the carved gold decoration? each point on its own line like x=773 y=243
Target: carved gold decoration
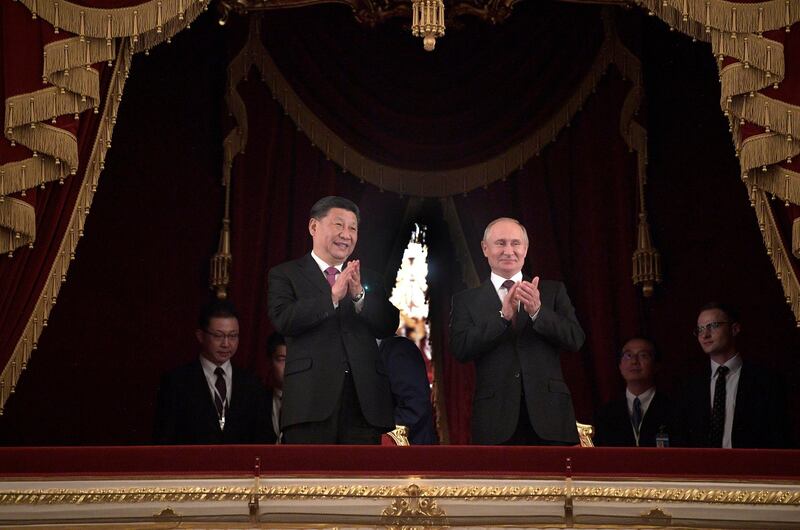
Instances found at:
x=135 y=495
x=413 y=510
x=693 y=495
x=585 y=434
x=399 y=435
x=656 y=516
x=427 y=21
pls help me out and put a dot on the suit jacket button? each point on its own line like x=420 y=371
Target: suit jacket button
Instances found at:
x=516 y=375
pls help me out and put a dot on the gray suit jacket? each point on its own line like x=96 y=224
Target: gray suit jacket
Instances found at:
x=508 y=360
x=321 y=339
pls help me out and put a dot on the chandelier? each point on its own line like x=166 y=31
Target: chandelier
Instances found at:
x=427 y=21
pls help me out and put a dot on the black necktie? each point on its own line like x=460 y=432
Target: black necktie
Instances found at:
x=636 y=417
x=222 y=392
x=717 y=426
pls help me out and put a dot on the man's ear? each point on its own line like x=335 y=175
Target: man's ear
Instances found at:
x=484 y=248
x=312 y=226
x=198 y=333
x=735 y=329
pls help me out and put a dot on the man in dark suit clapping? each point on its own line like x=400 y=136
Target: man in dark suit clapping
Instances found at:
x=513 y=328
x=336 y=389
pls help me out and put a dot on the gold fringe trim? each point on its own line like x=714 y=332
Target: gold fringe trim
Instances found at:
x=777 y=252
x=776 y=180
x=50 y=140
x=733 y=17
x=58 y=272
x=736 y=30
x=251 y=54
x=147 y=17
x=28 y=173
x=17 y=224
x=796 y=238
x=404 y=181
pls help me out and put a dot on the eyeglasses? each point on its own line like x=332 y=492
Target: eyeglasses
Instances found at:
x=711 y=326
x=639 y=356
x=220 y=337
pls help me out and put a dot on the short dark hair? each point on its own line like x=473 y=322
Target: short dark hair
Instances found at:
x=274 y=340
x=324 y=205
x=730 y=311
x=216 y=308
x=656 y=352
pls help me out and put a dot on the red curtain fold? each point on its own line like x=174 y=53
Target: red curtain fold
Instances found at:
x=23 y=276
x=484 y=89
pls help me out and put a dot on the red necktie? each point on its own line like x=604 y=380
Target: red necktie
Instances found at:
x=330 y=275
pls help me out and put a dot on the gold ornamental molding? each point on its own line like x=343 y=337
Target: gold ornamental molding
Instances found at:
x=738 y=495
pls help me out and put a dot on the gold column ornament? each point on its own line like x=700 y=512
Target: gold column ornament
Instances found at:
x=646 y=259
x=427 y=21
x=221 y=261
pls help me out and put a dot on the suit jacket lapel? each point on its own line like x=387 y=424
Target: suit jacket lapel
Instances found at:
x=310 y=270
x=487 y=297
x=204 y=393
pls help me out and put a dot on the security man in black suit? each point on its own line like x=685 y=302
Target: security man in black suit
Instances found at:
x=733 y=402
x=644 y=416
x=209 y=401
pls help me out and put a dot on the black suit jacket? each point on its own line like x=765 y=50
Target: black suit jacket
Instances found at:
x=410 y=389
x=508 y=360
x=760 y=417
x=612 y=425
x=320 y=339
x=186 y=413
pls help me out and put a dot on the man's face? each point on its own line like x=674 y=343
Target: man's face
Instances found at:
x=638 y=362
x=278 y=364
x=334 y=235
x=720 y=341
x=505 y=248
x=219 y=342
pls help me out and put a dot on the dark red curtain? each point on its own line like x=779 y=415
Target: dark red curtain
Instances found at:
x=22 y=277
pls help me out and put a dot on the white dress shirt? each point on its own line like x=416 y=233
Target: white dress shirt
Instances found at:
x=734 y=365
x=277 y=402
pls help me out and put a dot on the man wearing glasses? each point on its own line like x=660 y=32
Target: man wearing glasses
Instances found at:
x=209 y=401
x=643 y=417
x=733 y=403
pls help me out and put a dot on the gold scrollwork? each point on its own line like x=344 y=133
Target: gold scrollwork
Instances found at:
x=428 y=494
x=694 y=495
x=413 y=510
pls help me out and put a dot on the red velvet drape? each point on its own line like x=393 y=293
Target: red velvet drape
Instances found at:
x=22 y=277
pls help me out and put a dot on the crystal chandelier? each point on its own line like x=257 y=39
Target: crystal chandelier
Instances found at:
x=427 y=21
